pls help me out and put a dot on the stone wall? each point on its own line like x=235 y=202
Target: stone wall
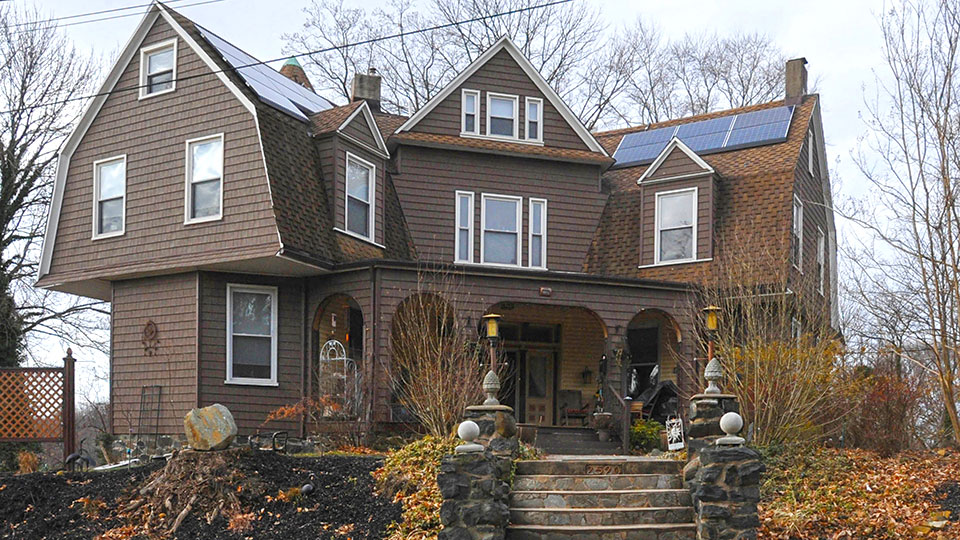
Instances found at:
x=725 y=491
x=475 y=496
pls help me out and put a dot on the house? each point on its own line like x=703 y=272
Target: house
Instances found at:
x=239 y=225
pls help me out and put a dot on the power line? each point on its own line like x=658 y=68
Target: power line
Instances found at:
x=111 y=17
x=298 y=55
x=88 y=14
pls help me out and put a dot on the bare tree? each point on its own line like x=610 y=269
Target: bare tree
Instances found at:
x=40 y=72
x=910 y=256
x=436 y=367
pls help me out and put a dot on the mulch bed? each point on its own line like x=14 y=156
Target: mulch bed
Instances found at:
x=949 y=496
x=85 y=505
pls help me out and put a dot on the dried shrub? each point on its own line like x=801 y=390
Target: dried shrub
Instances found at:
x=241 y=522
x=27 y=462
x=91 y=508
x=409 y=476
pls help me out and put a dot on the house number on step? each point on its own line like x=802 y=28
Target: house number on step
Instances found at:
x=603 y=469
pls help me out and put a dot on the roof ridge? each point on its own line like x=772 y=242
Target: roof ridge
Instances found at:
x=695 y=118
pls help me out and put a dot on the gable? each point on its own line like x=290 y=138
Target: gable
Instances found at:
x=503 y=69
x=361 y=128
x=676 y=161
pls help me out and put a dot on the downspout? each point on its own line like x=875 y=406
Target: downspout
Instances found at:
x=375 y=349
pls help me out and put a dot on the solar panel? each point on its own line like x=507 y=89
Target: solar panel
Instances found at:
x=706 y=135
x=269 y=85
x=760 y=127
x=745 y=130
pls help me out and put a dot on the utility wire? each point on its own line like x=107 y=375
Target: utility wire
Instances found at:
x=298 y=55
x=88 y=14
x=24 y=30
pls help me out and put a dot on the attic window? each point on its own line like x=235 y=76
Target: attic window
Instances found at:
x=534 y=119
x=204 y=186
x=158 y=68
x=470 y=106
x=502 y=115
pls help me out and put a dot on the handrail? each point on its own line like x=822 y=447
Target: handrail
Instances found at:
x=624 y=419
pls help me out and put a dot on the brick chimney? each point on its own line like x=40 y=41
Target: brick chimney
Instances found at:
x=796 y=80
x=366 y=86
x=292 y=70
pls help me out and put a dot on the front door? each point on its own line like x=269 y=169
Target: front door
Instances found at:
x=538 y=387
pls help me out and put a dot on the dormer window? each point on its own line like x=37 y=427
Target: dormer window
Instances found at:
x=676 y=220
x=110 y=191
x=360 y=190
x=502 y=115
x=534 y=119
x=470 y=105
x=158 y=68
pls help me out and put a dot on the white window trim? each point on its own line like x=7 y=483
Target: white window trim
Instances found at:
x=483 y=227
x=821 y=258
x=798 y=228
x=146 y=51
x=516 y=116
x=456 y=240
x=188 y=180
x=811 y=137
x=259 y=289
x=96 y=199
x=656 y=226
x=543 y=229
x=372 y=186
x=464 y=111
x=526 y=119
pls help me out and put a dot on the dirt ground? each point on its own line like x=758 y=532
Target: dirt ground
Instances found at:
x=85 y=505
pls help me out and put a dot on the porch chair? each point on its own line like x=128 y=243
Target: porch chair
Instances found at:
x=572 y=407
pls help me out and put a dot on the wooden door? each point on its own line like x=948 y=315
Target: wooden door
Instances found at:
x=538 y=387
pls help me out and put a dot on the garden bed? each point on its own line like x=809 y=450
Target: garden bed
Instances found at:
x=87 y=505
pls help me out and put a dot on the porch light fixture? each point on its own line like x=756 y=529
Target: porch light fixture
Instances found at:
x=587 y=375
x=712 y=312
x=492 y=323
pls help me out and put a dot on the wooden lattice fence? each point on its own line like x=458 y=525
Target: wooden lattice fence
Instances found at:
x=37 y=405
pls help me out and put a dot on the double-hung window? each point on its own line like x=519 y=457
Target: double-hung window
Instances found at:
x=821 y=259
x=796 y=234
x=110 y=194
x=538 y=233
x=500 y=224
x=534 y=119
x=158 y=68
x=502 y=115
x=204 y=189
x=464 y=238
x=360 y=197
x=251 y=334
x=676 y=224
x=470 y=112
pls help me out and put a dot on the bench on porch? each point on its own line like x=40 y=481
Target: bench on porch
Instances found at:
x=572 y=407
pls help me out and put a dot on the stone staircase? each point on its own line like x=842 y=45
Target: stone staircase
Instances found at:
x=600 y=498
x=573 y=441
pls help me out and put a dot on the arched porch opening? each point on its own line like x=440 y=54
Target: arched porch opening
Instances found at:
x=652 y=368
x=552 y=356
x=335 y=377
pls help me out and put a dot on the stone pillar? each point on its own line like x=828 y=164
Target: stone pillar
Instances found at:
x=704 y=420
x=726 y=489
x=475 y=496
x=498 y=428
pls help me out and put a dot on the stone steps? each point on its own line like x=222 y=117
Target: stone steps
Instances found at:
x=573 y=498
x=588 y=482
x=597 y=467
x=608 y=498
x=602 y=516
x=573 y=441
x=670 y=531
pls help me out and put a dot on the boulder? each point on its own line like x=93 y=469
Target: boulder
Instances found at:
x=210 y=428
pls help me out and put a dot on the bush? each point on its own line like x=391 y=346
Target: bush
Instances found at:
x=409 y=475
x=28 y=462
x=645 y=435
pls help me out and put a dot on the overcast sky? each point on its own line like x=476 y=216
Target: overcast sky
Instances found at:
x=839 y=38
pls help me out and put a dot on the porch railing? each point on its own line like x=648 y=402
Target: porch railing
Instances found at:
x=624 y=418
